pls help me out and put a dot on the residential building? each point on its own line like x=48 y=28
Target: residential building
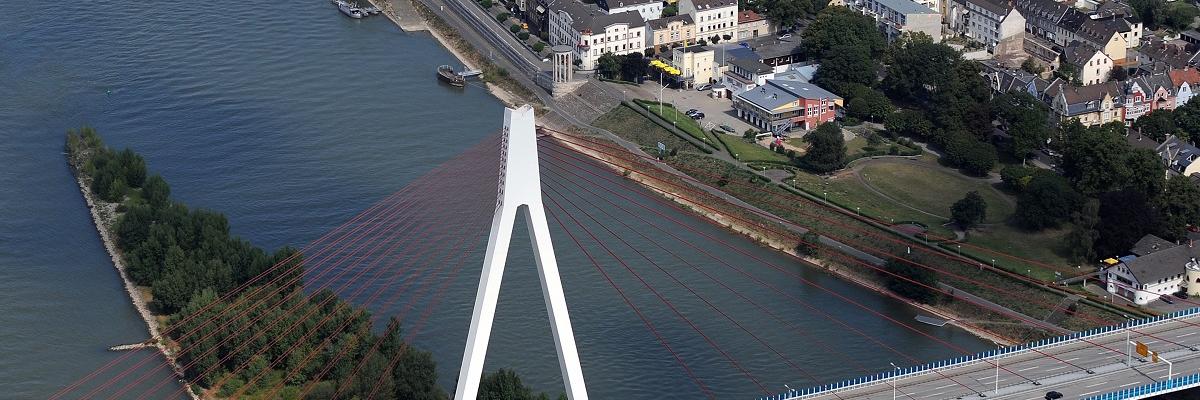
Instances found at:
x=989 y=22
x=537 y=15
x=1042 y=50
x=1042 y=16
x=668 y=31
x=895 y=17
x=1104 y=34
x=1117 y=9
x=1174 y=54
x=1092 y=65
x=649 y=9
x=1184 y=81
x=696 y=64
x=1147 y=93
x=751 y=25
x=713 y=18
x=1091 y=105
x=778 y=53
x=745 y=74
x=593 y=33
x=1005 y=80
x=1155 y=269
x=782 y=104
x=1179 y=156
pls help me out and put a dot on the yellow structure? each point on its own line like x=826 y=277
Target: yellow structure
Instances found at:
x=695 y=63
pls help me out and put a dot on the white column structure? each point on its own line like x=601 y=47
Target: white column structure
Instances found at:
x=520 y=185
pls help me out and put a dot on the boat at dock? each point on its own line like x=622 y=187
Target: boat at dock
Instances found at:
x=351 y=10
x=446 y=74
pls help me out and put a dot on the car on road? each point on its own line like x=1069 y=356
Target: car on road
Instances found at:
x=703 y=87
x=694 y=113
x=1166 y=299
x=1052 y=395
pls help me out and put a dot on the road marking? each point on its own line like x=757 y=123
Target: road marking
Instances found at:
x=1129 y=384
x=943 y=387
x=935 y=394
x=1086 y=394
x=1076 y=358
x=1056 y=368
x=1026 y=369
x=1095 y=384
x=1187 y=334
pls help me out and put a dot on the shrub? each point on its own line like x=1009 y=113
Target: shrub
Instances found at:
x=523 y=35
x=502 y=16
x=514 y=28
x=539 y=46
x=485 y=3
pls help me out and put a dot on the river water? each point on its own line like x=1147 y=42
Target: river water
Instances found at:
x=291 y=120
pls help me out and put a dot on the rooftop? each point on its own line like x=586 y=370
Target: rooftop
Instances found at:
x=661 y=23
x=1162 y=262
x=905 y=7
x=1190 y=75
x=590 y=18
x=748 y=16
x=779 y=92
x=611 y=4
x=709 y=4
x=998 y=7
x=696 y=48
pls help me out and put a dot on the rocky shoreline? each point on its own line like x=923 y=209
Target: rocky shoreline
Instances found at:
x=104 y=215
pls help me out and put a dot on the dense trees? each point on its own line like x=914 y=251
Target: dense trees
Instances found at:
x=1025 y=118
x=827 y=148
x=969 y=211
x=867 y=104
x=844 y=65
x=839 y=26
x=190 y=261
x=910 y=281
x=1164 y=14
x=809 y=244
x=1046 y=202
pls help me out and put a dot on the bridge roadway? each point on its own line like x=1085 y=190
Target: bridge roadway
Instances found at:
x=1066 y=372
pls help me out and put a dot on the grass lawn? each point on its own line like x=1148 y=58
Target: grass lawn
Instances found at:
x=1043 y=247
x=681 y=121
x=637 y=128
x=932 y=189
x=751 y=152
x=855 y=146
x=845 y=190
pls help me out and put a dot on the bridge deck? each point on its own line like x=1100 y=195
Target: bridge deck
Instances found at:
x=1062 y=367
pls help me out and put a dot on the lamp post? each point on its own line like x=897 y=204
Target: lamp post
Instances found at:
x=895 y=376
x=660 y=91
x=997 y=377
x=1128 y=343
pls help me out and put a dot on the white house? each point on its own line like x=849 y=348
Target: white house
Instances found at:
x=987 y=21
x=713 y=17
x=649 y=9
x=1185 y=81
x=1093 y=65
x=1156 y=268
x=592 y=32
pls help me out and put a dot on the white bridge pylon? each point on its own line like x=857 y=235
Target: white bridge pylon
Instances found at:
x=520 y=185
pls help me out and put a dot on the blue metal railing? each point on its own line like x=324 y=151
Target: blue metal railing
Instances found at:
x=1150 y=389
x=948 y=363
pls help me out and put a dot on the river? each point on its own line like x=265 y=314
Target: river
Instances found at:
x=291 y=119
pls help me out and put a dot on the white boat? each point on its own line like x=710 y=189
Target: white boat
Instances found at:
x=348 y=9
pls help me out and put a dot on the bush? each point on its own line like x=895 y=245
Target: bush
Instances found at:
x=539 y=46
x=485 y=3
x=514 y=28
x=502 y=16
x=523 y=36
x=851 y=121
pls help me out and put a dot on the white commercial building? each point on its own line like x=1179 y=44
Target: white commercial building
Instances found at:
x=649 y=9
x=592 y=32
x=1156 y=268
x=712 y=17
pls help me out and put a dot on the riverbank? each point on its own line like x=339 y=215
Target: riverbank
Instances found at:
x=784 y=244
x=104 y=215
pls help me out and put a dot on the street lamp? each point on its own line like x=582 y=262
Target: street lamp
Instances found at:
x=895 y=376
x=997 y=378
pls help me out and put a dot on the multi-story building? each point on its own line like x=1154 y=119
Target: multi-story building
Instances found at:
x=895 y=17
x=1185 y=81
x=1042 y=16
x=1092 y=64
x=1156 y=268
x=593 y=33
x=649 y=9
x=782 y=104
x=1147 y=93
x=751 y=25
x=988 y=21
x=1090 y=105
x=714 y=18
x=1104 y=34
x=696 y=64
x=668 y=31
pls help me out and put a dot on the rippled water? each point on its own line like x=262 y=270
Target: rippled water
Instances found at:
x=291 y=119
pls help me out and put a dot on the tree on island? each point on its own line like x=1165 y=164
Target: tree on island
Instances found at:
x=827 y=148
x=969 y=211
x=505 y=384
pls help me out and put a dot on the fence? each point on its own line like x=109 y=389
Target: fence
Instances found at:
x=1182 y=382
x=932 y=367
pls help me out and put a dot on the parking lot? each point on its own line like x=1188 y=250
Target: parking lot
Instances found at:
x=717 y=112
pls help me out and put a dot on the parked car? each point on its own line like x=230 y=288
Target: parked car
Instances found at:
x=1166 y=299
x=1181 y=294
x=704 y=87
x=1052 y=395
x=727 y=128
x=697 y=115
x=785 y=36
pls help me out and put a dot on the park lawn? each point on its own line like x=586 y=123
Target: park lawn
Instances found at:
x=845 y=190
x=681 y=121
x=932 y=189
x=855 y=146
x=636 y=128
x=751 y=152
x=1044 y=247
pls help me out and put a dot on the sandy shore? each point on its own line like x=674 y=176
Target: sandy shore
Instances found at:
x=103 y=216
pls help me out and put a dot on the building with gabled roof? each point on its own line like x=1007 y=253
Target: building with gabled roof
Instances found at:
x=782 y=104
x=713 y=18
x=593 y=33
x=1179 y=155
x=667 y=31
x=1185 y=81
x=1092 y=64
x=1104 y=34
x=1175 y=54
x=1155 y=268
x=1091 y=104
x=1042 y=16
